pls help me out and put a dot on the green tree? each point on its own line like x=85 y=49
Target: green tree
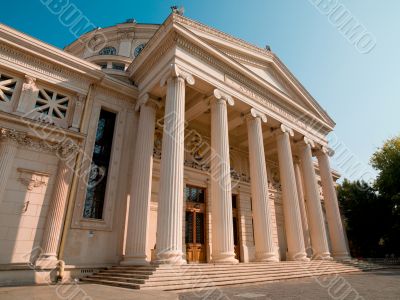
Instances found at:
x=372 y=213
x=386 y=160
x=361 y=209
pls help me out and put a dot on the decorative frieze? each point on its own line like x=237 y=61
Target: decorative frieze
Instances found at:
x=32 y=179
x=41 y=66
x=249 y=88
x=63 y=148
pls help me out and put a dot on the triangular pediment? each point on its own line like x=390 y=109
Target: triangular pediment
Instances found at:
x=265 y=74
x=262 y=63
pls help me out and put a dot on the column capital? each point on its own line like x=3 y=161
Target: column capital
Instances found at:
x=29 y=83
x=305 y=142
x=174 y=71
x=222 y=96
x=149 y=100
x=254 y=114
x=283 y=129
x=324 y=150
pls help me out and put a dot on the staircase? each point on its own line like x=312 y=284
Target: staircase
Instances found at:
x=198 y=276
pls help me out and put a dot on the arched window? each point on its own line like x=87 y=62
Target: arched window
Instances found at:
x=108 y=51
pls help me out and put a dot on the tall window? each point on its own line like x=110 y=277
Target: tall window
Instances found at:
x=108 y=51
x=96 y=189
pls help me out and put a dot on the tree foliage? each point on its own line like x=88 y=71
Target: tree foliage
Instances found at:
x=372 y=213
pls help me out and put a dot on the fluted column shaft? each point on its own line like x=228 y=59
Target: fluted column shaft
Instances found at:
x=266 y=249
x=303 y=209
x=57 y=209
x=315 y=216
x=221 y=190
x=140 y=193
x=335 y=226
x=8 y=149
x=170 y=203
x=294 y=231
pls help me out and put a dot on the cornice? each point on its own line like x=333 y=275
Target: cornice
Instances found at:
x=207 y=29
x=252 y=89
x=63 y=148
x=49 y=69
x=47 y=52
x=138 y=74
x=29 y=126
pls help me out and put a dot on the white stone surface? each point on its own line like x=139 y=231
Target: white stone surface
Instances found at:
x=294 y=231
x=266 y=250
x=140 y=193
x=315 y=217
x=335 y=226
x=221 y=188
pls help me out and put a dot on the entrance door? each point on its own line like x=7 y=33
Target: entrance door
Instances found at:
x=195 y=224
x=235 y=216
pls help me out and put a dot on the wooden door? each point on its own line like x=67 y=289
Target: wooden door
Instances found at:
x=236 y=226
x=195 y=224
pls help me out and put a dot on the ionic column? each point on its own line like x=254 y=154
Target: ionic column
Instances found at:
x=266 y=250
x=302 y=206
x=223 y=250
x=291 y=210
x=57 y=208
x=140 y=192
x=8 y=149
x=335 y=227
x=315 y=216
x=170 y=201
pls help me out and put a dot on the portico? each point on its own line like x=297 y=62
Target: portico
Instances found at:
x=204 y=116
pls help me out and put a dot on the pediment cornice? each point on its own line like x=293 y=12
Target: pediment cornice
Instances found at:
x=173 y=36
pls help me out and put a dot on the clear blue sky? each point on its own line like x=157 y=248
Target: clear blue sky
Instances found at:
x=359 y=91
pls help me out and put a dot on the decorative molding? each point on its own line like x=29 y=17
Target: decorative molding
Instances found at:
x=147 y=99
x=32 y=179
x=309 y=141
x=254 y=113
x=174 y=71
x=63 y=149
x=18 y=57
x=283 y=129
x=116 y=98
x=325 y=150
x=29 y=83
x=220 y=95
x=250 y=88
x=185 y=21
x=196 y=154
x=160 y=51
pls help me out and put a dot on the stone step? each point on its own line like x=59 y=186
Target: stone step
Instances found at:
x=113 y=283
x=156 y=276
x=162 y=276
x=207 y=282
x=117 y=278
x=189 y=277
x=174 y=269
x=157 y=280
x=227 y=282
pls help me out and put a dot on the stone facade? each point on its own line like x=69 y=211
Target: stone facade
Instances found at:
x=100 y=142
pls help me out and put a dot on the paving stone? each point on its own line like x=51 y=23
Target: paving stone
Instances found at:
x=374 y=285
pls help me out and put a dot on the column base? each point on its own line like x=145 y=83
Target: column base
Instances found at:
x=47 y=262
x=302 y=256
x=170 y=258
x=341 y=256
x=135 y=261
x=322 y=256
x=267 y=257
x=224 y=258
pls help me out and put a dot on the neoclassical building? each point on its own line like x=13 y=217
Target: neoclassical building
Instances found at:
x=172 y=143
